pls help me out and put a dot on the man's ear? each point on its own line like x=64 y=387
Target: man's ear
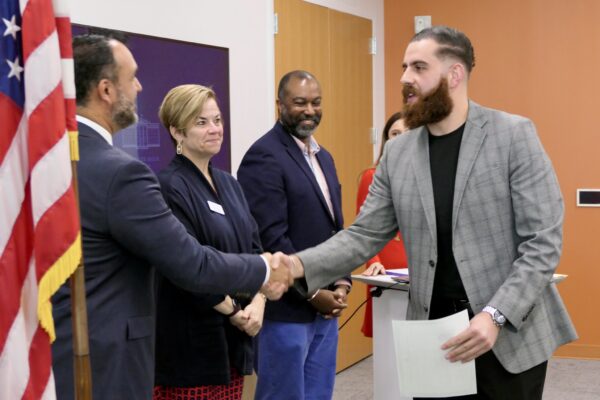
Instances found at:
x=104 y=90
x=456 y=74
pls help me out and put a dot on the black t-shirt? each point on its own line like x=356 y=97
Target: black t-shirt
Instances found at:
x=443 y=159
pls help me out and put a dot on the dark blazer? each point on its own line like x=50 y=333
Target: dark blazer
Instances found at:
x=288 y=206
x=126 y=228
x=195 y=344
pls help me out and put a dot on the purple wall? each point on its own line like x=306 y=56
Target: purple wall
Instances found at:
x=162 y=65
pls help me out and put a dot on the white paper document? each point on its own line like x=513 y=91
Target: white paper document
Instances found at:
x=423 y=370
x=387 y=280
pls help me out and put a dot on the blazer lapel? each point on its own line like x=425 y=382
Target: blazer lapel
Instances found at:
x=473 y=137
x=422 y=171
x=296 y=154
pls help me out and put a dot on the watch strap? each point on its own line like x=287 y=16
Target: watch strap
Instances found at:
x=236 y=309
x=495 y=314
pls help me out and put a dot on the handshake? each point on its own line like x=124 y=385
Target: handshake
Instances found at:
x=283 y=270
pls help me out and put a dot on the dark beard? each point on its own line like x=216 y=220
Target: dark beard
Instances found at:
x=124 y=113
x=428 y=109
x=293 y=126
x=125 y=118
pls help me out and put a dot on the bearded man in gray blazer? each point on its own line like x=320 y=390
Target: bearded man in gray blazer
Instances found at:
x=476 y=197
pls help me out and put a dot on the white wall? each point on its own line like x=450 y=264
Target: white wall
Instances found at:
x=243 y=26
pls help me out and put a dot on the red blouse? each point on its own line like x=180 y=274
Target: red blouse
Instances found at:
x=391 y=256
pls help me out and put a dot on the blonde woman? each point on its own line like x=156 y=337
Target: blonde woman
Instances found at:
x=203 y=343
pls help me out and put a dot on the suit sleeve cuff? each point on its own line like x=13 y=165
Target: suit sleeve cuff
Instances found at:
x=268 y=270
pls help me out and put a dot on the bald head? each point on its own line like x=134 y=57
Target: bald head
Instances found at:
x=283 y=91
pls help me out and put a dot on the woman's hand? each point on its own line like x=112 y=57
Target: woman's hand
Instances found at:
x=376 y=268
x=255 y=312
x=239 y=319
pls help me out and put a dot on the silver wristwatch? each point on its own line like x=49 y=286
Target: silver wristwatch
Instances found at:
x=497 y=317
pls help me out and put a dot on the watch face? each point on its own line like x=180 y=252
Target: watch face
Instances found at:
x=501 y=319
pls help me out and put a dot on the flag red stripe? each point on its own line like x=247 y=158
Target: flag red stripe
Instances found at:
x=46 y=125
x=14 y=263
x=63 y=28
x=70 y=108
x=37 y=24
x=55 y=238
x=40 y=361
x=10 y=116
x=58 y=226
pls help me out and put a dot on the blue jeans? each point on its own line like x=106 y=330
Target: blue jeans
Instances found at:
x=296 y=361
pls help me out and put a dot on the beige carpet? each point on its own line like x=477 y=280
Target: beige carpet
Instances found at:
x=567 y=379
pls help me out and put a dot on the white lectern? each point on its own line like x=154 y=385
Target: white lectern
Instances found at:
x=391 y=305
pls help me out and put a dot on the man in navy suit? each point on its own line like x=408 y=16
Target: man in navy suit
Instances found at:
x=294 y=195
x=127 y=228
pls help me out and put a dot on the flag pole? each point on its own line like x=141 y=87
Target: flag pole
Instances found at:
x=81 y=348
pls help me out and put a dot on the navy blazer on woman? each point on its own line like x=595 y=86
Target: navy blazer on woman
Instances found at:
x=195 y=344
x=289 y=207
x=126 y=228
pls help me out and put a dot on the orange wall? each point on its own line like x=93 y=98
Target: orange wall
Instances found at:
x=540 y=59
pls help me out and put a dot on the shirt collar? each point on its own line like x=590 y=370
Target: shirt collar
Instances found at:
x=314 y=146
x=95 y=126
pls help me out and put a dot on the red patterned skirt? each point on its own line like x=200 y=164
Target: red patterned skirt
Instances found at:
x=233 y=391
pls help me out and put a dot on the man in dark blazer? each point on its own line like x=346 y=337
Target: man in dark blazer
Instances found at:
x=475 y=195
x=127 y=228
x=294 y=195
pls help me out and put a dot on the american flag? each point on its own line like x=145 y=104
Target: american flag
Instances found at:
x=40 y=242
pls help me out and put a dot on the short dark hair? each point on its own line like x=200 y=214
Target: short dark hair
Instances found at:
x=297 y=74
x=453 y=43
x=121 y=36
x=94 y=61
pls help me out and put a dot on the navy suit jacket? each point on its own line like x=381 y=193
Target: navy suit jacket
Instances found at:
x=127 y=228
x=195 y=344
x=289 y=207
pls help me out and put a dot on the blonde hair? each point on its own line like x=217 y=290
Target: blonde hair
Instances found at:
x=182 y=105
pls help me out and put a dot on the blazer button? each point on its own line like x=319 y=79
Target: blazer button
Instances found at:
x=333 y=233
x=426 y=309
x=431 y=263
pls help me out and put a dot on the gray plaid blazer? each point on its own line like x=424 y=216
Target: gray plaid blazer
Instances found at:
x=507 y=231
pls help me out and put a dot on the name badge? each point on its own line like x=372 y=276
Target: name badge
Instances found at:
x=214 y=207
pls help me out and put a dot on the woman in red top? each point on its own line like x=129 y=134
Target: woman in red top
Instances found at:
x=392 y=255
